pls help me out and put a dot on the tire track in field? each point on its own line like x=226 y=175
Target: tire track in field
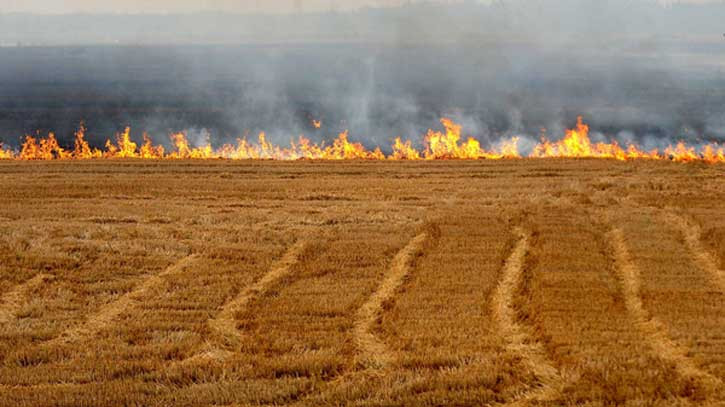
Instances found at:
x=12 y=300
x=224 y=325
x=701 y=256
x=110 y=312
x=374 y=354
x=651 y=329
x=518 y=340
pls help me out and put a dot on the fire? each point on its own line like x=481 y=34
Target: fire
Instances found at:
x=448 y=144
x=6 y=154
x=82 y=150
x=307 y=150
x=44 y=149
x=510 y=149
x=576 y=144
x=124 y=148
x=712 y=154
x=682 y=153
x=404 y=150
x=342 y=149
x=184 y=151
x=441 y=146
x=317 y=124
x=149 y=151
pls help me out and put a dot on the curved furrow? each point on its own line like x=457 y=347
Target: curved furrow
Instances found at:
x=373 y=358
x=654 y=332
x=373 y=351
x=107 y=314
x=517 y=338
x=12 y=301
x=224 y=325
x=700 y=255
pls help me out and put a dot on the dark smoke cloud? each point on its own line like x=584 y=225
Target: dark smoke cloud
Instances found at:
x=634 y=70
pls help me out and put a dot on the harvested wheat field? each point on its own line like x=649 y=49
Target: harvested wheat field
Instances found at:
x=514 y=283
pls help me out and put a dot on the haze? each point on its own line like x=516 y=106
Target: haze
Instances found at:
x=185 y=6
x=634 y=69
x=190 y=6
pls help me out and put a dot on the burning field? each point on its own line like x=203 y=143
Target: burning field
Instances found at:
x=461 y=282
x=447 y=145
x=388 y=203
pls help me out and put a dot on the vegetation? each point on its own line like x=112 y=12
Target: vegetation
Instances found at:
x=515 y=282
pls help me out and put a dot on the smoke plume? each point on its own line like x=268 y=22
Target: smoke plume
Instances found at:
x=636 y=70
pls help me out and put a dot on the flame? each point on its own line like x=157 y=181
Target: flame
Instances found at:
x=682 y=153
x=184 y=151
x=45 y=149
x=712 y=154
x=126 y=147
x=30 y=149
x=149 y=151
x=404 y=151
x=317 y=123
x=82 y=151
x=342 y=149
x=440 y=146
x=510 y=149
x=6 y=154
x=443 y=146
x=307 y=150
x=437 y=145
x=576 y=144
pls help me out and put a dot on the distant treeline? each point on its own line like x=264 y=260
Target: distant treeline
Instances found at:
x=509 y=20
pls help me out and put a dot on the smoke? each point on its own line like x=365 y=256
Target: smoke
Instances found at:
x=636 y=71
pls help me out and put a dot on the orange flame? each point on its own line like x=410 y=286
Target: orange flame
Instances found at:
x=712 y=154
x=437 y=145
x=82 y=151
x=126 y=147
x=184 y=151
x=682 y=153
x=404 y=151
x=6 y=154
x=577 y=144
x=149 y=151
x=46 y=149
x=441 y=146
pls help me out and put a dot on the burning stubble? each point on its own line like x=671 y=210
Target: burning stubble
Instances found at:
x=447 y=145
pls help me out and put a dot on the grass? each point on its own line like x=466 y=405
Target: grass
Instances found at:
x=546 y=282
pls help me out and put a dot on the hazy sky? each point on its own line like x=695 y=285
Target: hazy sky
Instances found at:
x=156 y=6
x=184 y=6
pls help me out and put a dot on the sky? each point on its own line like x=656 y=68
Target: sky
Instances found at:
x=188 y=6
x=184 y=6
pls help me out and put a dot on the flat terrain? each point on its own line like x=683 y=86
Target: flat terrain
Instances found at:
x=527 y=282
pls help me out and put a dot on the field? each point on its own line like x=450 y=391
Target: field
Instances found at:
x=524 y=282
